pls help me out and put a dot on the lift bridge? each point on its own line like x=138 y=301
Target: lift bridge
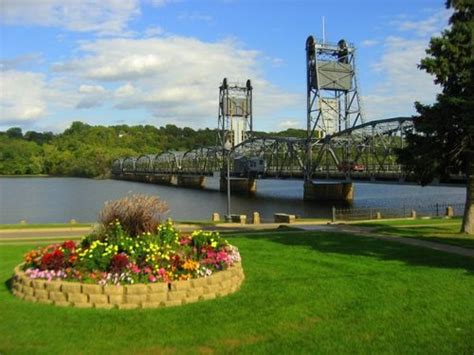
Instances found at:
x=339 y=147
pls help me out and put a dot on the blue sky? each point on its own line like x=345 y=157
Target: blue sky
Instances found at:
x=161 y=61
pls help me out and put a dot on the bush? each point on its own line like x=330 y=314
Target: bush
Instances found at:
x=138 y=214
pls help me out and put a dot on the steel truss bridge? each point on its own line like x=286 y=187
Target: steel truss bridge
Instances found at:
x=372 y=145
x=351 y=148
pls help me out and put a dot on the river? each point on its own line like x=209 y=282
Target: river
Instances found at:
x=57 y=200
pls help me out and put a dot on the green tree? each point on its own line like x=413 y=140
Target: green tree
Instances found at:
x=444 y=140
x=14 y=132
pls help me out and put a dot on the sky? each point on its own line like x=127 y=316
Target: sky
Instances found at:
x=158 y=62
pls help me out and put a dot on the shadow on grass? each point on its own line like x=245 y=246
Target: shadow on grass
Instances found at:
x=347 y=244
x=9 y=284
x=438 y=234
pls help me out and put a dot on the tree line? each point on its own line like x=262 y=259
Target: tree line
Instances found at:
x=83 y=150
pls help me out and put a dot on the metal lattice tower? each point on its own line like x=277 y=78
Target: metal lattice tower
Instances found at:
x=235 y=120
x=333 y=102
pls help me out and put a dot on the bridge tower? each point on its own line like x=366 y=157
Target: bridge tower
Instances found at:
x=235 y=120
x=333 y=102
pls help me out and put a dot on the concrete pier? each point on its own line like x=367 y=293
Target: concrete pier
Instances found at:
x=327 y=191
x=162 y=179
x=192 y=181
x=243 y=186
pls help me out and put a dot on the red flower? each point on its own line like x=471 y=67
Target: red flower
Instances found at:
x=118 y=262
x=53 y=260
x=69 y=244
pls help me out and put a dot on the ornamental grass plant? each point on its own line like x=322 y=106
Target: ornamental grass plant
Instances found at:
x=137 y=214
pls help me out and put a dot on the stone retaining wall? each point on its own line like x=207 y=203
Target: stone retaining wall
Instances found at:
x=65 y=293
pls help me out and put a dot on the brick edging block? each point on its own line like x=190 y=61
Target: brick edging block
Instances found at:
x=153 y=295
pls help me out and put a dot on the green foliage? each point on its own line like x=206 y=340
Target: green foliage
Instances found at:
x=446 y=127
x=444 y=140
x=19 y=157
x=87 y=151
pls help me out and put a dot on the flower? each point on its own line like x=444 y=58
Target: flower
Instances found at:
x=69 y=244
x=118 y=258
x=119 y=262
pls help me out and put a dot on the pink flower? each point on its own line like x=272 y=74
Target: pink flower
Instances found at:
x=134 y=268
x=151 y=278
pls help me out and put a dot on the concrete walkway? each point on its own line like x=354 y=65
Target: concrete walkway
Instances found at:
x=51 y=233
x=368 y=232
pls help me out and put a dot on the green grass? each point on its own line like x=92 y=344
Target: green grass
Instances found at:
x=44 y=225
x=303 y=293
x=436 y=230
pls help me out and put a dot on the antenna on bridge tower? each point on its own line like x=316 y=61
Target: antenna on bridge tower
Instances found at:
x=333 y=102
x=235 y=120
x=324 y=32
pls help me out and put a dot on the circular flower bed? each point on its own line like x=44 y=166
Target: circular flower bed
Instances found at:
x=111 y=262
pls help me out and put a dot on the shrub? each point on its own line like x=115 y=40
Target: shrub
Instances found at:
x=138 y=214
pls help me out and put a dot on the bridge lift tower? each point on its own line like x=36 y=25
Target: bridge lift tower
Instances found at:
x=333 y=102
x=235 y=120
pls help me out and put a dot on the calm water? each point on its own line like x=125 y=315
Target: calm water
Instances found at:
x=47 y=200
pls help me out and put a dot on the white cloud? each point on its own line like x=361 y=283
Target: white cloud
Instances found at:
x=369 y=43
x=100 y=16
x=19 y=61
x=426 y=27
x=158 y=3
x=91 y=96
x=282 y=125
x=153 y=31
x=172 y=77
x=125 y=90
x=402 y=83
x=91 y=89
x=22 y=96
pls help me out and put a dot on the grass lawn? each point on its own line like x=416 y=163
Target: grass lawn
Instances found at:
x=437 y=230
x=304 y=293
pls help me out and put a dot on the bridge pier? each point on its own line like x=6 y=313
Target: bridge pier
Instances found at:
x=192 y=181
x=327 y=191
x=161 y=179
x=242 y=186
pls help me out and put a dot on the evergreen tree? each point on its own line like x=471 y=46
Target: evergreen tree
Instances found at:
x=444 y=140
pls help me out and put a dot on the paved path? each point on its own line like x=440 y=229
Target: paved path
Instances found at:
x=43 y=232
x=51 y=233
x=368 y=232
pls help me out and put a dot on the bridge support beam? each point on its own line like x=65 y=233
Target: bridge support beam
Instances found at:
x=192 y=181
x=162 y=179
x=241 y=186
x=326 y=191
